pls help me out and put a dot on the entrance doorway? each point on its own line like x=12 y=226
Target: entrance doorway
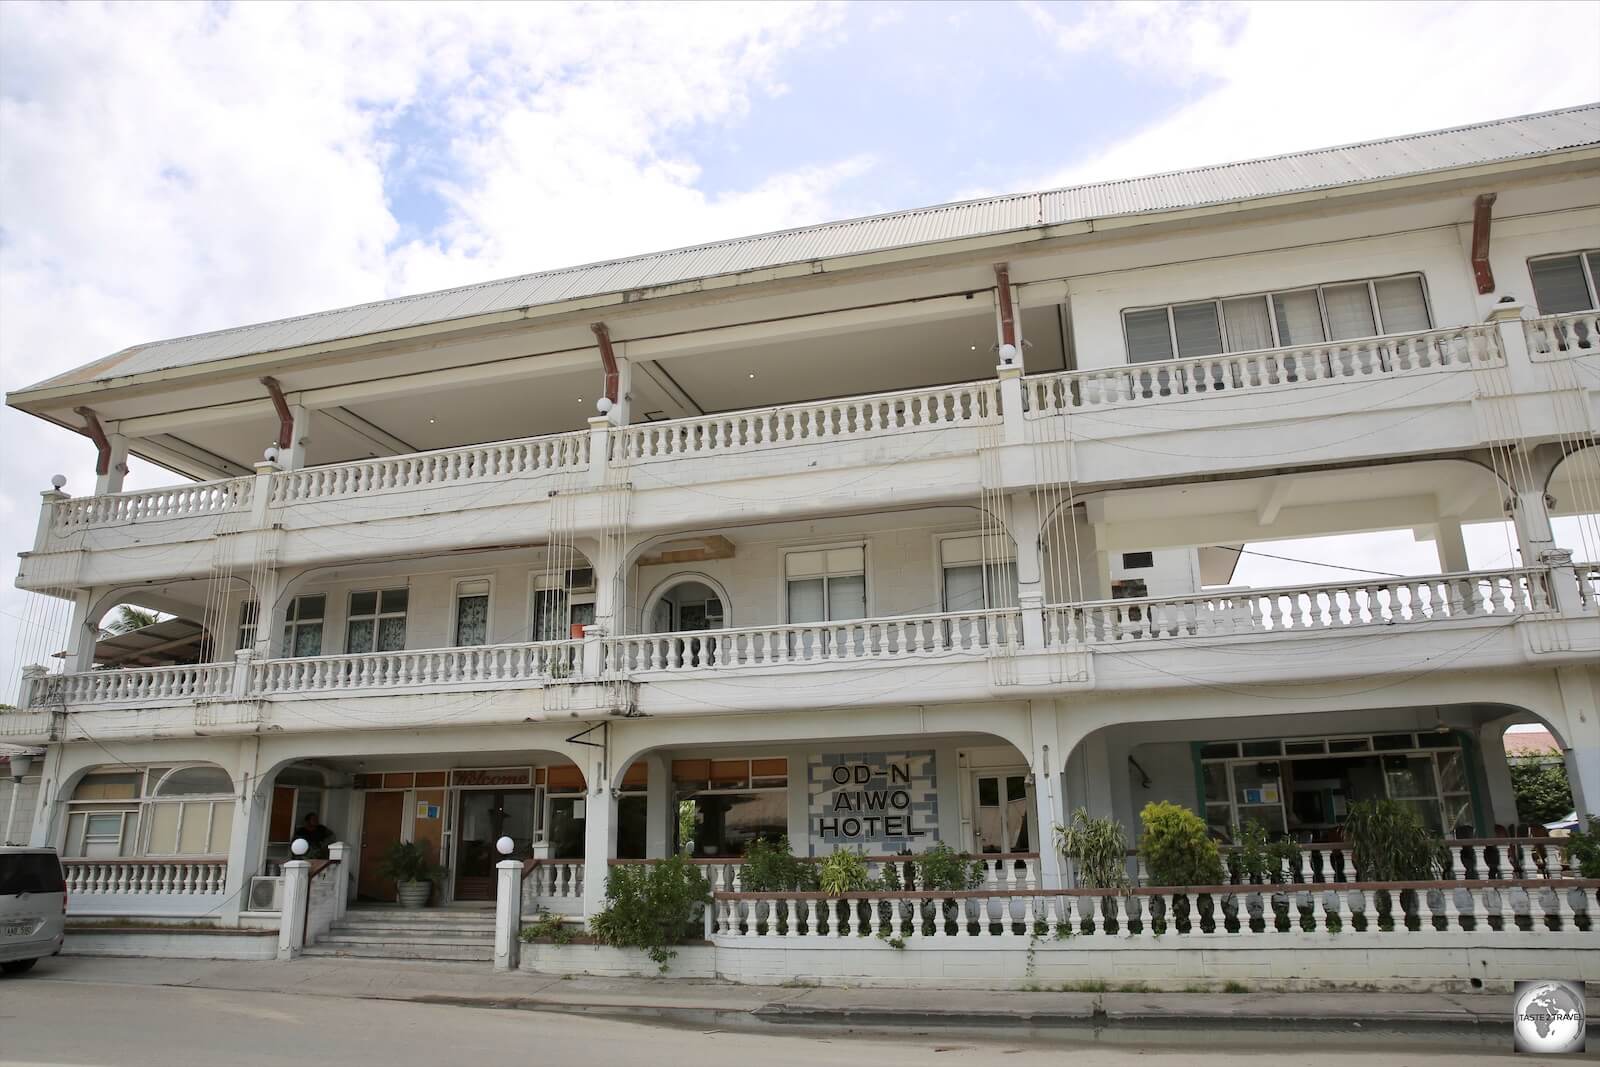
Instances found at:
x=483 y=817
x=1004 y=821
x=380 y=829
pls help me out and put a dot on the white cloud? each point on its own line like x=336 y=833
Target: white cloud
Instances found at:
x=1282 y=77
x=172 y=169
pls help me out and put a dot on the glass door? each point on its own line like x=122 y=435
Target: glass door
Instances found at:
x=483 y=817
x=1004 y=813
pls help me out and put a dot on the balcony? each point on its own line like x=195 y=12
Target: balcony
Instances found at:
x=962 y=655
x=1125 y=422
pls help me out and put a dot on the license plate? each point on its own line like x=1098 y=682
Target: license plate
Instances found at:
x=17 y=929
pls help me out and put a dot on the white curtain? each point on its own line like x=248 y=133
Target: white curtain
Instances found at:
x=1249 y=328
x=1349 y=311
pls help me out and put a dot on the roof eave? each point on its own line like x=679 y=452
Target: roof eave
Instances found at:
x=33 y=399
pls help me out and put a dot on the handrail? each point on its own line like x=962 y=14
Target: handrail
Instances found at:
x=1553 y=335
x=165 y=502
x=998 y=857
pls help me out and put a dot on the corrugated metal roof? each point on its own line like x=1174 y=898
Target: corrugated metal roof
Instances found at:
x=1326 y=168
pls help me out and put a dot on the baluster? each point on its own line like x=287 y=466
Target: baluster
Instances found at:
x=1536 y=911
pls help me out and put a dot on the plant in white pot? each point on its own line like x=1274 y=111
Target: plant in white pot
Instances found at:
x=413 y=872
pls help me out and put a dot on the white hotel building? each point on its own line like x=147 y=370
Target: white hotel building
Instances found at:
x=953 y=495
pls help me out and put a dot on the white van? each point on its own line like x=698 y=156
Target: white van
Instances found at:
x=33 y=907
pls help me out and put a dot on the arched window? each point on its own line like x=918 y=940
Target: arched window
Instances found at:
x=151 y=811
x=196 y=781
x=685 y=607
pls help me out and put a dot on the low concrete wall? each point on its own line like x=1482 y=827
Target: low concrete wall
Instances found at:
x=171 y=943
x=1447 y=963
x=692 y=961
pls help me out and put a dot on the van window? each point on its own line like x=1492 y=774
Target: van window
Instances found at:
x=30 y=872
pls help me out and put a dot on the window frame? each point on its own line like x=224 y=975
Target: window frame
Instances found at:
x=455 y=609
x=376 y=617
x=944 y=566
x=1266 y=296
x=868 y=608
x=1589 y=278
x=292 y=623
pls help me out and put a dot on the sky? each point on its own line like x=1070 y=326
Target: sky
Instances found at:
x=169 y=169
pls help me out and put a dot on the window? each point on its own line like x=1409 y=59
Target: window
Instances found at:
x=975 y=580
x=157 y=811
x=302 y=628
x=1566 y=283
x=472 y=612
x=1132 y=561
x=827 y=585
x=561 y=602
x=1333 y=312
x=377 y=621
x=736 y=801
x=248 y=612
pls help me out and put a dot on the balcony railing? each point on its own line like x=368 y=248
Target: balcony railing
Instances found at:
x=1502 y=595
x=1384 y=602
x=1002 y=871
x=1571 y=334
x=176 y=886
x=902 y=637
x=1333 y=361
x=535 y=662
x=444 y=467
x=148 y=505
x=909 y=410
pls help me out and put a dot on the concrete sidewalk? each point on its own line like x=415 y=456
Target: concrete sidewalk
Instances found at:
x=693 y=1003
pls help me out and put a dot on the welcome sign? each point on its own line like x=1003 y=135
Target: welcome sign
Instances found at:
x=880 y=802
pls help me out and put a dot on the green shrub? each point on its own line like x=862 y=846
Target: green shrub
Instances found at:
x=942 y=869
x=650 y=906
x=1540 y=783
x=1176 y=848
x=1260 y=858
x=1098 y=849
x=687 y=815
x=1391 y=844
x=1583 y=849
x=844 y=871
x=547 y=927
x=771 y=868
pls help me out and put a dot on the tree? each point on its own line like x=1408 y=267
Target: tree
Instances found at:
x=1539 y=780
x=128 y=619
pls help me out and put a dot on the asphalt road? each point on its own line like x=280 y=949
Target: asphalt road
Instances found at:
x=78 y=1023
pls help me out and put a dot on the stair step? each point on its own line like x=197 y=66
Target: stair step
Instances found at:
x=345 y=937
x=406 y=933
x=394 y=951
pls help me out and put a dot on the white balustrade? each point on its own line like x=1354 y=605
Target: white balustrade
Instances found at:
x=187 y=682
x=552 y=885
x=1378 y=602
x=899 y=637
x=934 y=408
x=1563 y=335
x=1391 y=912
x=1332 y=361
x=148 y=505
x=148 y=878
x=450 y=466
x=534 y=662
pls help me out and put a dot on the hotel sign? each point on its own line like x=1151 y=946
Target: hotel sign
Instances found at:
x=877 y=801
x=491 y=777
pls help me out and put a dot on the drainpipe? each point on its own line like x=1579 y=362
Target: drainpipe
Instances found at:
x=1480 y=242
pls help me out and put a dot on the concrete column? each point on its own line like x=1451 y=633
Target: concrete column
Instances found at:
x=245 y=841
x=261 y=493
x=1452 y=548
x=340 y=852
x=1016 y=428
x=660 y=812
x=47 y=517
x=1046 y=761
x=1497 y=774
x=622 y=411
x=599 y=838
x=295 y=458
x=507 y=913
x=45 y=807
x=292 y=924
x=1579 y=686
x=1532 y=521
x=1023 y=520
x=599 y=448
x=1507 y=318
x=111 y=480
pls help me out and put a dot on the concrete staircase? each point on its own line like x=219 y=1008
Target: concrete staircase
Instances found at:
x=394 y=933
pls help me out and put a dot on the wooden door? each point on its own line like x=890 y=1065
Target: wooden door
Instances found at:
x=380 y=828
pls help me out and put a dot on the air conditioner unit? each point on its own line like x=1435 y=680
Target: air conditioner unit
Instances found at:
x=266 y=894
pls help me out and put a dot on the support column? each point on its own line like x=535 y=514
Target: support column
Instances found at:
x=1582 y=754
x=1497 y=774
x=660 y=813
x=111 y=481
x=248 y=833
x=339 y=852
x=599 y=837
x=1023 y=521
x=292 y=924
x=295 y=458
x=1016 y=430
x=44 y=808
x=1451 y=546
x=47 y=515
x=507 y=914
x=1046 y=760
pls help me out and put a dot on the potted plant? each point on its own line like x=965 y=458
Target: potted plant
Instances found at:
x=413 y=872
